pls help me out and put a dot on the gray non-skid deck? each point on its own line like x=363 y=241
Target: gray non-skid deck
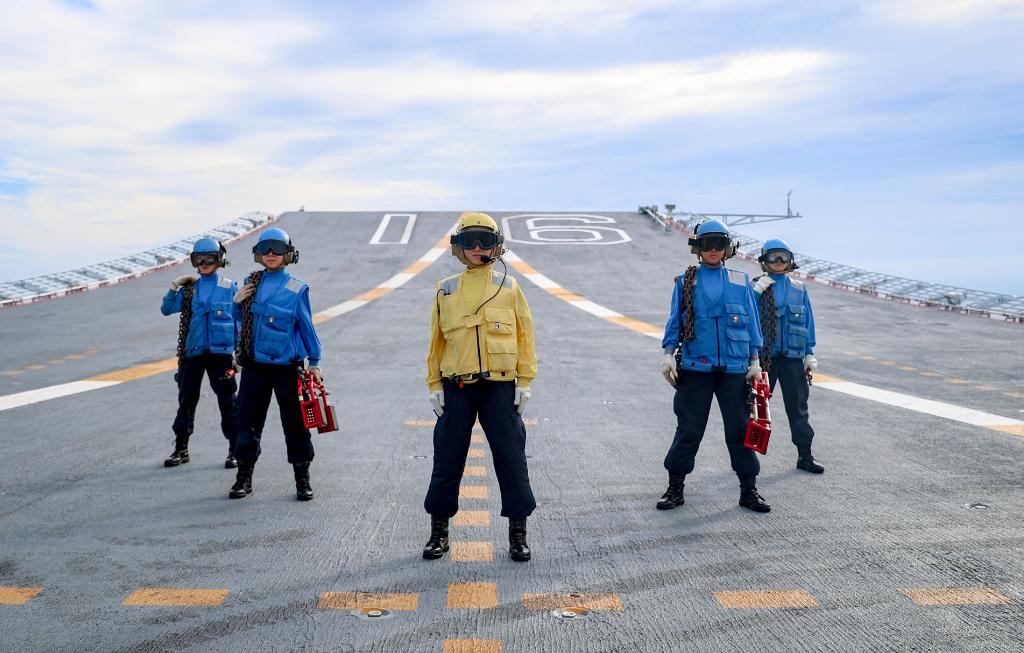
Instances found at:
x=88 y=514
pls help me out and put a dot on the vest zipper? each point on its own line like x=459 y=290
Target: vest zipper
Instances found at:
x=479 y=356
x=718 y=344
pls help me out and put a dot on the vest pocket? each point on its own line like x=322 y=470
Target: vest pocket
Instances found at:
x=797 y=314
x=738 y=342
x=222 y=326
x=501 y=354
x=275 y=336
x=796 y=339
x=500 y=321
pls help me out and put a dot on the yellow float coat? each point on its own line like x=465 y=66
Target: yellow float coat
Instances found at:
x=497 y=338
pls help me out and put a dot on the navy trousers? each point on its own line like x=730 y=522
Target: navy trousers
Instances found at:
x=693 y=404
x=218 y=369
x=790 y=373
x=259 y=380
x=491 y=401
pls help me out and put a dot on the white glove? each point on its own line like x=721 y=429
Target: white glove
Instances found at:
x=317 y=375
x=810 y=362
x=754 y=371
x=522 y=396
x=243 y=293
x=762 y=284
x=437 y=400
x=183 y=281
x=668 y=367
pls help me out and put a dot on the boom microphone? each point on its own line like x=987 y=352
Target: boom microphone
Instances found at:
x=486 y=259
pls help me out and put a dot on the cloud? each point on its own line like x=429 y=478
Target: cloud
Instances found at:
x=946 y=12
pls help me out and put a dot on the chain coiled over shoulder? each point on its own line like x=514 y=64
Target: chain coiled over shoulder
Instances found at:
x=766 y=307
x=186 y=318
x=688 y=332
x=245 y=349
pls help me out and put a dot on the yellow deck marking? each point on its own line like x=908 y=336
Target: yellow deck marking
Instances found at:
x=930 y=374
x=369 y=600
x=18 y=595
x=420 y=422
x=10 y=372
x=479 y=439
x=958 y=596
x=869 y=358
x=984 y=388
x=35 y=367
x=1015 y=395
x=887 y=363
x=177 y=597
x=471 y=646
x=592 y=602
x=907 y=368
x=766 y=599
x=474 y=470
x=472 y=518
x=1012 y=429
x=851 y=353
x=472 y=551
x=138 y=372
x=476 y=452
x=55 y=361
x=373 y=293
x=956 y=380
x=72 y=357
x=472 y=595
x=472 y=491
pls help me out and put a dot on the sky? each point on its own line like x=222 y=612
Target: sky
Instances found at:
x=898 y=124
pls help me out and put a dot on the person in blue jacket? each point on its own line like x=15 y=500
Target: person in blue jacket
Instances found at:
x=788 y=352
x=277 y=336
x=711 y=341
x=206 y=341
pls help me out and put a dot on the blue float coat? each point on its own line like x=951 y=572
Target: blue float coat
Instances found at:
x=790 y=319
x=283 y=301
x=213 y=328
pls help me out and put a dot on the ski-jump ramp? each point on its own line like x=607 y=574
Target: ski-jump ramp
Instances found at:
x=911 y=540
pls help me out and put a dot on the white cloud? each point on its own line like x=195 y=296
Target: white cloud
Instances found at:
x=946 y=11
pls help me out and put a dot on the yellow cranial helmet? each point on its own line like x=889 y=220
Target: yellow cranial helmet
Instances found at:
x=472 y=219
x=476 y=230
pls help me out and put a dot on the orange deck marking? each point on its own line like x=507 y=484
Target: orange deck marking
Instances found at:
x=475 y=452
x=472 y=518
x=472 y=551
x=177 y=597
x=592 y=602
x=474 y=470
x=472 y=491
x=473 y=595
x=18 y=595
x=1012 y=429
x=369 y=600
x=139 y=371
x=766 y=599
x=471 y=646
x=479 y=439
x=957 y=596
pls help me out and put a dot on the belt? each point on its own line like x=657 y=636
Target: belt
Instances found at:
x=475 y=376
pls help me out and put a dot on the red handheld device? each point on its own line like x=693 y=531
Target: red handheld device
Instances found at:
x=317 y=410
x=759 y=426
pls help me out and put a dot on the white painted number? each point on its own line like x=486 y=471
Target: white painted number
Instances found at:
x=563 y=229
x=410 y=221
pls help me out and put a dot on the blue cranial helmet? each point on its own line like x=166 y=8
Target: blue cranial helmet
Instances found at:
x=275 y=240
x=712 y=229
x=206 y=246
x=776 y=245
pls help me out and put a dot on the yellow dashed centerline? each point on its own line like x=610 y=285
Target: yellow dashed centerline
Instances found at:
x=476 y=452
x=472 y=595
x=396 y=602
x=18 y=595
x=474 y=470
x=766 y=599
x=472 y=491
x=472 y=518
x=472 y=551
x=958 y=596
x=476 y=438
x=194 y=598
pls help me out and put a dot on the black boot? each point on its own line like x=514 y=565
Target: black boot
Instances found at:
x=231 y=462
x=243 y=482
x=674 y=494
x=180 y=454
x=303 y=490
x=749 y=498
x=806 y=462
x=438 y=542
x=517 y=547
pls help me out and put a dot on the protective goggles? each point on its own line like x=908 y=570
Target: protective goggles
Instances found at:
x=472 y=238
x=205 y=259
x=778 y=257
x=713 y=243
x=278 y=247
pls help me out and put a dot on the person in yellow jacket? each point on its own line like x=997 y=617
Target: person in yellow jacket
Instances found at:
x=480 y=365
